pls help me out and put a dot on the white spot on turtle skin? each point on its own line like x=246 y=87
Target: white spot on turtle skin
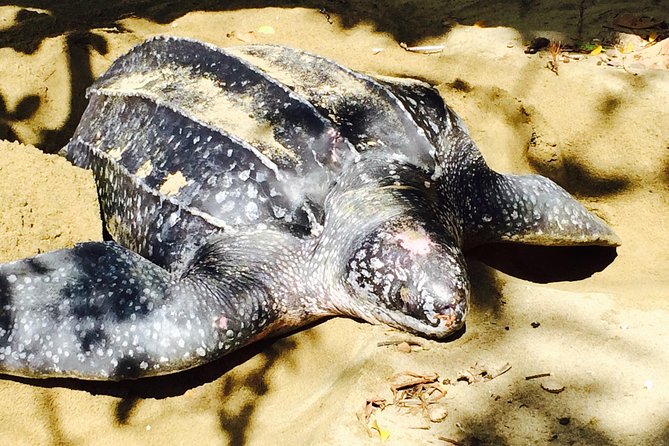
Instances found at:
x=143 y=365
x=244 y=175
x=260 y=177
x=220 y=197
x=251 y=210
x=375 y=263
x=279 y=212
x=115 y=154
x=227 y=206
x=252 y=191
x=226 y=181
x=11 y=278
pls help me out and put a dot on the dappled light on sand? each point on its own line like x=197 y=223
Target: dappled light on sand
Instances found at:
x=587 y=326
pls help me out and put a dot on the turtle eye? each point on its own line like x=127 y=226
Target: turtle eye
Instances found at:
x=411 y=303
x=402 y=299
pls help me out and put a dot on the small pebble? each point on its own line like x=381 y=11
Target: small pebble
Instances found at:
x=564 y=421
x=404 y=347
x=535 y=324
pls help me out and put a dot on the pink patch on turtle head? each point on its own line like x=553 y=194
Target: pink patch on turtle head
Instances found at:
x=415 y=242
x=222 y=322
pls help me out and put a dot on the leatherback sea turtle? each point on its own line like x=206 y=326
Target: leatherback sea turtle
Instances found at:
x=252 y=190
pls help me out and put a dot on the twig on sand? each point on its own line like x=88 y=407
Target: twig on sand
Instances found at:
x=427 y=49
x=452 y=441
x=398 y=341
x=555 y=50
x=538 y=375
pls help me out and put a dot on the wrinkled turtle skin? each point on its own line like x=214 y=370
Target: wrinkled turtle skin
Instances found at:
x=252 y=190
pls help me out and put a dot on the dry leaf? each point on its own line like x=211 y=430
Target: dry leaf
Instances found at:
x=383 y=433
x=266 y=29
x=596 y=50
x=437 y=413
x=552 y=386
x=370 y=404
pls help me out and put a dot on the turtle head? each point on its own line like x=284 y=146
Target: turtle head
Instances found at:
x=406 y=275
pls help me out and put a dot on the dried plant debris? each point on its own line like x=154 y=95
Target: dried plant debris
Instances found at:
x=426 y=49
x=419 y=392
x=555 y=50
x=412 y=392
x=633 y=42
x=552 y=385
x=482 y=372
x=384 y=434
x=404 y=345
x=538 y=375
x=454 y=442
x=372 y=404
x=415 y=342
x=242 y=36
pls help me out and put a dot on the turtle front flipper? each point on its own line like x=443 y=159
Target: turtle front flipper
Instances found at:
x=528 y=209
x=493 y=207
x=99 y=311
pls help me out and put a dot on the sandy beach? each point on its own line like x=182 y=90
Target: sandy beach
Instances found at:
x=596 y=320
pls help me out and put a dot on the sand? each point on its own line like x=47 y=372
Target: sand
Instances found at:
x=596 y=321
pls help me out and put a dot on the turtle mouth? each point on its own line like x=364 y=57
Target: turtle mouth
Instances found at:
x=439 y=324
x=436 y=312
x=451 y=317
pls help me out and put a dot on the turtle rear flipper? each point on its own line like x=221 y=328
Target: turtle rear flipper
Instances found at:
x=99 y=311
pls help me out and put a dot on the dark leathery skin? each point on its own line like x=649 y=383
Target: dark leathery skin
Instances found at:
x=252 y=190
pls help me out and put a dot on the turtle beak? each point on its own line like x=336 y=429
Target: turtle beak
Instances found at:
x=451 y=317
